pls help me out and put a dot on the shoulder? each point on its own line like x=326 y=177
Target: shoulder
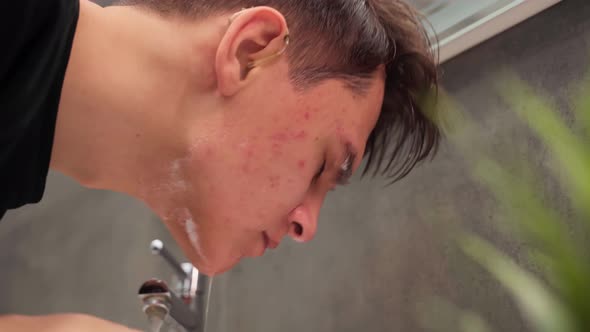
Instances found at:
x=27 y=24
x=36 y=38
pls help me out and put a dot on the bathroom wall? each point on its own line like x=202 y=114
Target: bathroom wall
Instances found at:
x=379 y=250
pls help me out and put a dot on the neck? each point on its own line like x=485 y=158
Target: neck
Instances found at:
x=121 y=123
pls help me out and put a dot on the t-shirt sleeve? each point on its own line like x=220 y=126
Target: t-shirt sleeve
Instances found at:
x=36 y=38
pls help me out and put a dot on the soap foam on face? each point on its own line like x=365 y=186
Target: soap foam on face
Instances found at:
x=191 y=231
x=179 y=185
x=177 y=181
x=190 y=227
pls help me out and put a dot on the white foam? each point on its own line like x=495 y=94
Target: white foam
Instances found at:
x=191 y=230
x=177 y=182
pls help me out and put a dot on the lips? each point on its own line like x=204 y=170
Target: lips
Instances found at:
x=268 y=242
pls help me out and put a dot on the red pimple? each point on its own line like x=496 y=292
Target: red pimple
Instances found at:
x=301 y=164
x=301 y=135
x=279 y=137
x=306 y=115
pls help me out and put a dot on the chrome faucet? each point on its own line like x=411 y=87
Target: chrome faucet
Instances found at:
x=183 y=308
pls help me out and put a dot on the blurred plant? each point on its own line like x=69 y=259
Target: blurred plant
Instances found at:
x=556 y=298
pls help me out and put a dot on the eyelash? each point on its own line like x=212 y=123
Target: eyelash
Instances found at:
x=346 y=170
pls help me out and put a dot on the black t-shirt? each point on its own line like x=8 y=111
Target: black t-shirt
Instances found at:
x=36 y=37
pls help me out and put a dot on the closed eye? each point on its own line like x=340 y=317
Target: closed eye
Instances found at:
x=319 y=172
x=345 y=169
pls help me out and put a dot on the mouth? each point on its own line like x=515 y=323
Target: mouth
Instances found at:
x=265 y=240
x=268 y=242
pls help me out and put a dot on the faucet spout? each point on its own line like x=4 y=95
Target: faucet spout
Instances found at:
x=187 y=308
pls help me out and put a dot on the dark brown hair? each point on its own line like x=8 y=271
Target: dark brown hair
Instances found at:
x=349 y=40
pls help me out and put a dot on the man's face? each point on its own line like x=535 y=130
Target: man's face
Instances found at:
x=267 y=165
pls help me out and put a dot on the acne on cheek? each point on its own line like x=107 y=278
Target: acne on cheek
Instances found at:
x=279 y=137
x=300 y=135
x=339 y=129
x=250 y=153
x=274 y=181
x=301 y=164
x=284 y=137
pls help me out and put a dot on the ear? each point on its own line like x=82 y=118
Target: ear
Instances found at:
x=253 y=34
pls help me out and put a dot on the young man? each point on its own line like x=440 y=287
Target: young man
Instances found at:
x=231 y=119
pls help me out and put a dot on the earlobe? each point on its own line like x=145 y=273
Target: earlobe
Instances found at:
x=254 y=37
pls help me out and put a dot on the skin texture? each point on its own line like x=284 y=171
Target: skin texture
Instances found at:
x=257 y=177
x=59 y=323
x=166 y=110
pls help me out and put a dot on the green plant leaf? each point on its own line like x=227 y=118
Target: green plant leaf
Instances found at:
x=439 y=315
x=582 y=105
x=541 y=308
x=570 y=151
x=550 y=236
x=470 y=322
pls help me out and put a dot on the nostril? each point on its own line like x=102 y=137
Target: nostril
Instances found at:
x=298 y=228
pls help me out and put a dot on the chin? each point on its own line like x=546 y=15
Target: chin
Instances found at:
x=218 y=268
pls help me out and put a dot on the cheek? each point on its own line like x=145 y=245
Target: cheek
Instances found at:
x=256 y=181
x=278 y=173
x=258 y=176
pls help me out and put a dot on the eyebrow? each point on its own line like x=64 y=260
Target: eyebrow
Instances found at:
x=345 y=170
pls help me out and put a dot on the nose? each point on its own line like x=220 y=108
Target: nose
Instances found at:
x=303 y=223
